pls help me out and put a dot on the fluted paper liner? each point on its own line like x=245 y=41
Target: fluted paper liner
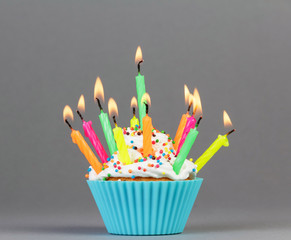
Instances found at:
x=145 y=208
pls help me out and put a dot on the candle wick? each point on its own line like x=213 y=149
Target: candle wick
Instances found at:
x=230 y=132
x=114 y=120
x=147 y=108
x=133 y=111
x=99 y=104
x=67 y=122
x=189 y=107
x=138 y=65
x=198 y=122
x=80 y=115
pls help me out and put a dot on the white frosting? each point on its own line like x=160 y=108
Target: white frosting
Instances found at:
x=146 y=168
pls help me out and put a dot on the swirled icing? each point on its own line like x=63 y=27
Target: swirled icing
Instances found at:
x=159 y=167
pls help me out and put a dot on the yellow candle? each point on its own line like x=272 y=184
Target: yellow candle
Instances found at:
x=78 y=139
x=134 y=121
x=123 y=155
x=214 y=147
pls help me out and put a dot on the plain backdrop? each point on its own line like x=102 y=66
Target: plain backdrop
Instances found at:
x=236 y=52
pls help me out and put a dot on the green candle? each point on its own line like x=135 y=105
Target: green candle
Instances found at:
x=140 y=86
x=214 y=147
x=140 y=90
x=107 y=130
x=185 y=149
x=104 y=119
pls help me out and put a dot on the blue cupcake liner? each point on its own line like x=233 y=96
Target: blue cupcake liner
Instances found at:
x=145 y=208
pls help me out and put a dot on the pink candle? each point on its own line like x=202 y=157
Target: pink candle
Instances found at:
x=90 y=133
x=191 y=121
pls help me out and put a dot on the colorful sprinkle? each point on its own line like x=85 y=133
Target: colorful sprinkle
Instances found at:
x=191 y=159
x=132 y=176
x=129 y=170
x=89 y=169
x=86 y=175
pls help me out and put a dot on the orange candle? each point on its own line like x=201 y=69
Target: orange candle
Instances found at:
x=78 y=139
x=147 y=127
x=180 y=130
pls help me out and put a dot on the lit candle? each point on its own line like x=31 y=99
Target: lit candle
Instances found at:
x=134 y=121
x=103 y=117
x=191 y=121
x=147 y=127
x=216 y=145
x=123 y=155
x=90 y=133
x=140 y=86
x=190 y=139
x=188 y=101
x=78 y=139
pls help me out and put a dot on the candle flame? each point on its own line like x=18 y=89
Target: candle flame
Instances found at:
x=112 y=107
x=133 y=103
x=138 y=55
x=226 y=120
x=98 y=90
x=68 y=113
x=187 y=95
x=81 y=104
x=146 y=98
x=197 y=100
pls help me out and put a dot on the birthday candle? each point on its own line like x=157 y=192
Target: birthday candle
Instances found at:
x=147 y=127
x=216 y=145
x=191 y=137
x=90 y=133
x=190 y=124
x=123 y=155
x=140 y=86
x=103 y=117
x=188 y=101
x=134 y=121
x=78 y=139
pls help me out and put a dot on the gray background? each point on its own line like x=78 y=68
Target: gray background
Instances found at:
x=238 y=54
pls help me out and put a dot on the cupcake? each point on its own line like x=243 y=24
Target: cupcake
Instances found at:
x=146 y=197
